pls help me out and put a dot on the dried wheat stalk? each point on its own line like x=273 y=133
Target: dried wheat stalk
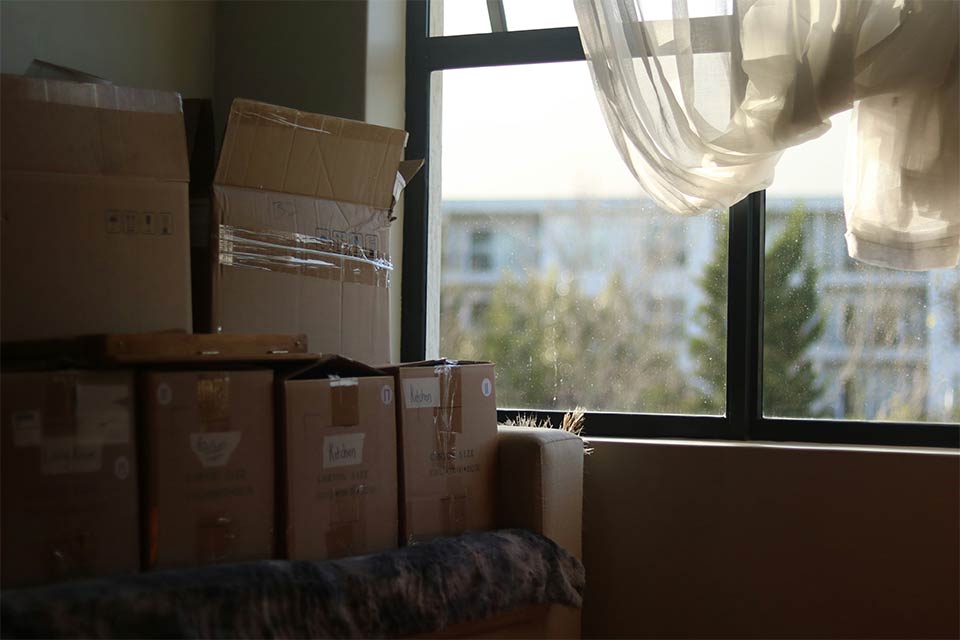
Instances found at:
x=572 y=422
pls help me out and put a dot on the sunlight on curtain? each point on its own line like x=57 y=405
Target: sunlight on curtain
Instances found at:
x=701 y=97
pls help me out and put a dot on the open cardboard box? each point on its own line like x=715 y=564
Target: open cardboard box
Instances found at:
x=302 y=211
x=94 y=200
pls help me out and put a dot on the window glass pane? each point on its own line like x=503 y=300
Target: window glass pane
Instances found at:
x=842 y=339
x=459 y=17
x=555 y=265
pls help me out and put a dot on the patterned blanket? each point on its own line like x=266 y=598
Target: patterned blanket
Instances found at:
x=398 y=593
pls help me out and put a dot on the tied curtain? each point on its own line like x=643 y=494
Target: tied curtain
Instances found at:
x=701 y=106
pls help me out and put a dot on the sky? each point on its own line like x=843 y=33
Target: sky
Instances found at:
x=551 y=112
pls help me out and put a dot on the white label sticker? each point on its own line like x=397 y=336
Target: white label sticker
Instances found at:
x=419 y=393
x=214 y=449
x=27 y=428
x=69 y=455
x=103 y=413
x=386 y=394
x=121 y=467
x=164 y=394
x=486 y=387
x=343 y=450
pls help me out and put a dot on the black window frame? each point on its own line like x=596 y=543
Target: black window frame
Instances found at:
x=743 y=419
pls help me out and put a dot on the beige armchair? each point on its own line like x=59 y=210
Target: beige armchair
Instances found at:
x=540 y=488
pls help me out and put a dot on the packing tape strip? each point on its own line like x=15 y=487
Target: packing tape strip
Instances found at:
x=344 y=402
x=214 y=538
x=70 y=435
x=347 y=532
x=93 y=96
x=213 y=400
x=302 y=254
x=454 y=506
x=447 y=417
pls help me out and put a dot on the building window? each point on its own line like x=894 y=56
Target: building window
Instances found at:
x=747 y=324
x=481 y=246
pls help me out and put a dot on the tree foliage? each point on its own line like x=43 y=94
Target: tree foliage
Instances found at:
x=557 y=348
x=792 y=323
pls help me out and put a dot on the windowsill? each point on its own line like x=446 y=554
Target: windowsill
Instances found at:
x=780 y=445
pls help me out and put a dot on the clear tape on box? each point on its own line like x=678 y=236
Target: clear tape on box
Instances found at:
x=298 y=253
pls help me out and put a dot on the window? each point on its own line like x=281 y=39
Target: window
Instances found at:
x=559 y=268
x=590 y=295
x=480 y=258
x=882 y=369
x=459 y=17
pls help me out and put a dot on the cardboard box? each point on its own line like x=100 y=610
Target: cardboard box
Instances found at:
x=341 y=461
x=447 y=420
x=302 y=213
x=69 y=490
x=209 y=466
x=94 y=205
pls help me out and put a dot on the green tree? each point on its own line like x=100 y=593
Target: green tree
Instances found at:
x=792 y=323
x=709 y=349
x=556 y=347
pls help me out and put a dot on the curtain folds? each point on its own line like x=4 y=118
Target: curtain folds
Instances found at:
x=701 y=106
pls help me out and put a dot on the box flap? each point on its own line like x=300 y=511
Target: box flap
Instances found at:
x=405 y=172
x=43 y=69
x=336 y=366
x=56 y=126
x=440 y=362
x=408 y=169
x=286 y=150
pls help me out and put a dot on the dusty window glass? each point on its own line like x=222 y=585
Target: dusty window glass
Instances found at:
x=555 y=265
x=842 y=339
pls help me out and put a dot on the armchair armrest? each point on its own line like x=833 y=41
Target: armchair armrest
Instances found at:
x=540 y=483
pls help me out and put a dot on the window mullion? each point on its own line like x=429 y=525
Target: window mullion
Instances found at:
x=744 y=315
x=413 y=289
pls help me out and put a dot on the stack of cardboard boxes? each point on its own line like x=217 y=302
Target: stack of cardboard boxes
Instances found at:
x=181 y=449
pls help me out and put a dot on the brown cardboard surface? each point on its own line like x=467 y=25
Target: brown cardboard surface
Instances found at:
x=447 y=416
x=209 y=466
x=57 y=126
x=69 y=490
x=302 y=211
x=341 y=462
x=288 y=151
x=95 y=215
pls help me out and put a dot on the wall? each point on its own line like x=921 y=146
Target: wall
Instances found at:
x=384 y=105
x=305 y=55
x=158 y=45
x=737 y=540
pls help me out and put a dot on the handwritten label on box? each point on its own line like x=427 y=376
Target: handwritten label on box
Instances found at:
x=343 y=450
x=420 y=393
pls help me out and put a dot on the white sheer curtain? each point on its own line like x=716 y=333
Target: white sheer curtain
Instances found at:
x=701 y=106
